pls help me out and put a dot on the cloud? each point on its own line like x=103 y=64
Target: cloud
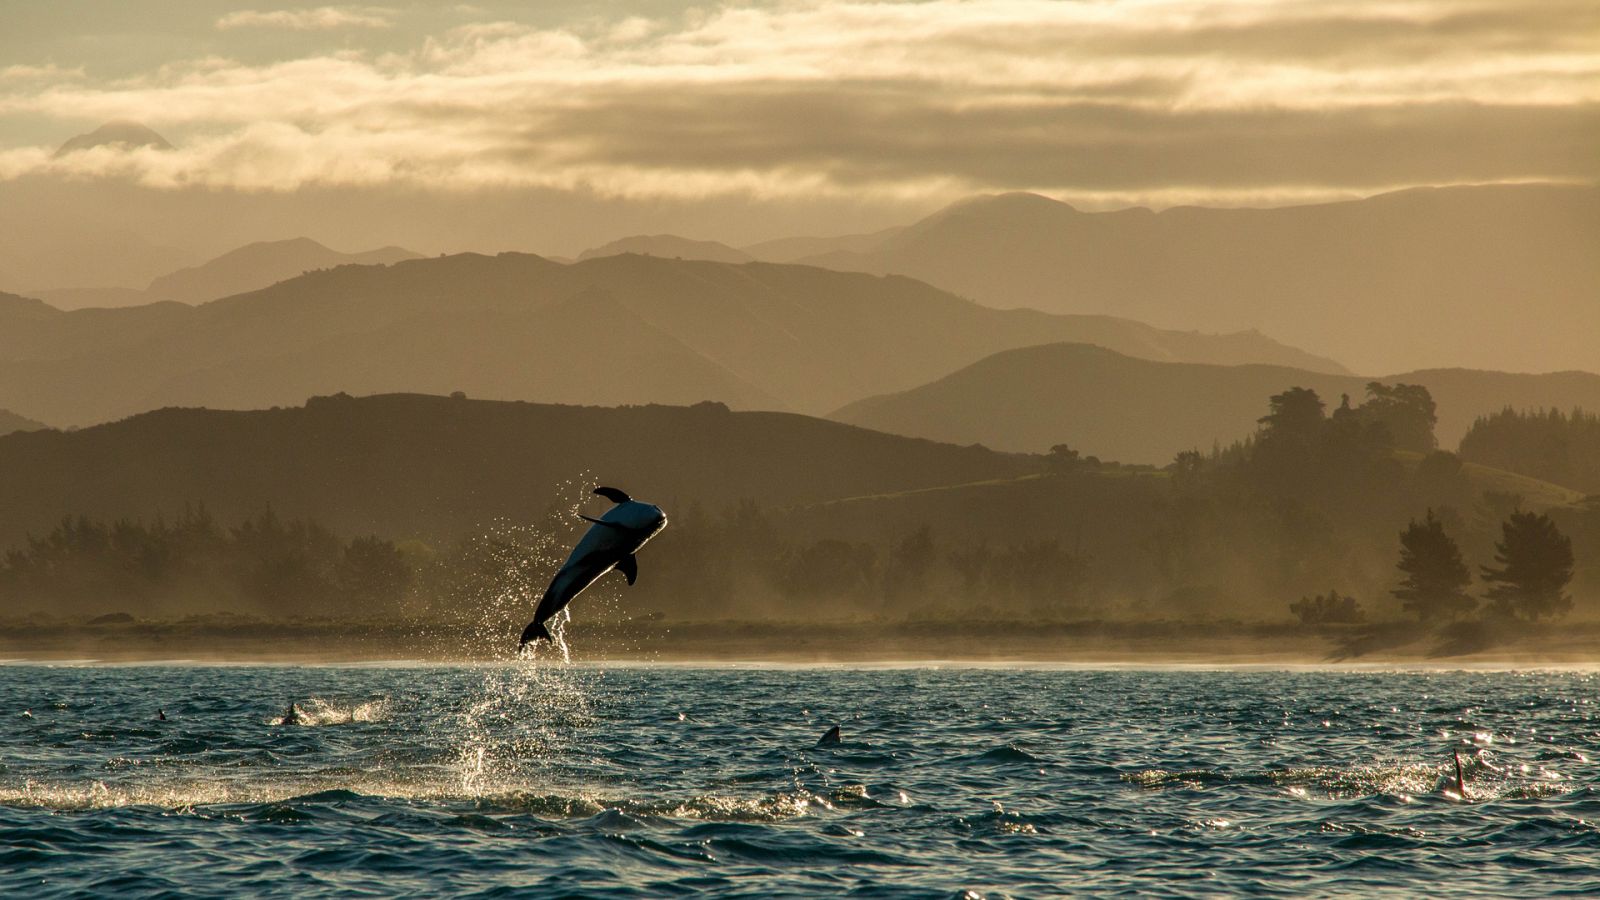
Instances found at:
x=1138 y=99
x=322 y=18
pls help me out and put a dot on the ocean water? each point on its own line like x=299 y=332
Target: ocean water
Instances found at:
x=549 y=779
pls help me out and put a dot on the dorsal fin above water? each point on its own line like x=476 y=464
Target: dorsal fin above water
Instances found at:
x=612 y=494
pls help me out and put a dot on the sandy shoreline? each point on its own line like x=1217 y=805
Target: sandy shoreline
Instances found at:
x=1083 y=643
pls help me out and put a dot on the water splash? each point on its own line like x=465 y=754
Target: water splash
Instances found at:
x=317 y=711
x=521 y=725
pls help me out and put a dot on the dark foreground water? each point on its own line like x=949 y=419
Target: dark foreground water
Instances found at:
x=546 y=780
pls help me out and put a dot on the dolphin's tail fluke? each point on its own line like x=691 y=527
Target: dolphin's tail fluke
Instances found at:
x=533 y=632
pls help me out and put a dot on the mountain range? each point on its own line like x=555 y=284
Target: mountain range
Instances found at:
x=1493 y=277
x=610 y=330
x=1137 y=410
x=247 y=268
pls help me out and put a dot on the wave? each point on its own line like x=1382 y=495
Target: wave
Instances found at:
x=317 y=712
x=1485 y=779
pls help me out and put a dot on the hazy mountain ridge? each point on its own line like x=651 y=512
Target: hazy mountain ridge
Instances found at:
x=406 y=464
x=10 y=422
x=444 y=351
x=1493 y=277
x=758 y=334
x=31 y=329
x=260 y=264
x=16 y=308
x=670 y=246
x=246 y=268
x=1118 y=407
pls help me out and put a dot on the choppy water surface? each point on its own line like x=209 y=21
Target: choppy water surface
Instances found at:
x=549 y=779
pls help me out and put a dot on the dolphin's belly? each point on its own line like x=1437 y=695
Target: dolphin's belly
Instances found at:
x=574 y=578
x=619 y=533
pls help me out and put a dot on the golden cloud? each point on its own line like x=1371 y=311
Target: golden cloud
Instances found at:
x=1139 y=98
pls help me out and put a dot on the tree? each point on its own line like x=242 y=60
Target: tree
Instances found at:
x=1331 y=609
x=373 y=574
x=910 y=565
x=1436 y=578
x=1062 y=460
x=1405 y=411
x=1535 y=567
x=1284 y=458
x=1187 y=469
x=1294 y=415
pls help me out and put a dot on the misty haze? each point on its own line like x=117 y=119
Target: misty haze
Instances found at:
x=977 y=448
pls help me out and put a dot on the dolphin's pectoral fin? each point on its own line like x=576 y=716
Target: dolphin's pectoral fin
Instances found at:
x=612 y=494
x=629 y=566
x=601 y=521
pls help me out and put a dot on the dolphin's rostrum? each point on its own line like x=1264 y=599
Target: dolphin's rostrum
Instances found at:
x=609 y=544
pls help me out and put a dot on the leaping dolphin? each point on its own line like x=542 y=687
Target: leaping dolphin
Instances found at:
x=610 y=543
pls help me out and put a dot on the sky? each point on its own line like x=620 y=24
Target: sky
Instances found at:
x=558 y=125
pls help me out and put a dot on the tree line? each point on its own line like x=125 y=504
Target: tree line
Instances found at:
x=1562 y=448
x=730 y=563
x=263 y=565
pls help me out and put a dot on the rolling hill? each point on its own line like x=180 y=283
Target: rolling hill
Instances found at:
x=616 y=329
x=1488 y=277
x=1134 y=410
x=439 y=467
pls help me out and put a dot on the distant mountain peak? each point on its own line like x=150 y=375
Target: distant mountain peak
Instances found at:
x=259 y=264
x=1011 y=208
x=1010 y=202
x=668 y=246
x=121 y=133
x=294 y=244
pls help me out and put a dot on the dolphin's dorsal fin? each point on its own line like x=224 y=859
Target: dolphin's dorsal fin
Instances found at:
x=629 y=566
x=612 y=494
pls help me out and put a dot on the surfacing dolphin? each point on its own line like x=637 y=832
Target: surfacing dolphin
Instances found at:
x=610 y=543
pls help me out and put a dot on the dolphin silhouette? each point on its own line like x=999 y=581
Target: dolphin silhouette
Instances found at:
x=610 y=543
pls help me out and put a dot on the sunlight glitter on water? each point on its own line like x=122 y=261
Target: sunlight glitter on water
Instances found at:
x=1009 y=782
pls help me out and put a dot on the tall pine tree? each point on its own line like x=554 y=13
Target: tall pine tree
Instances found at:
x=1436 y=578
x=1535 y=566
